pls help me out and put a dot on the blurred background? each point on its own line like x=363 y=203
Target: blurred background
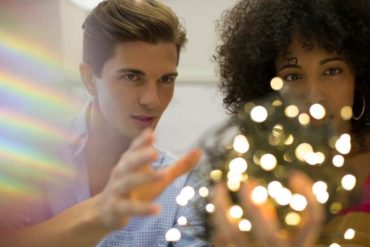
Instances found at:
x=40 y=50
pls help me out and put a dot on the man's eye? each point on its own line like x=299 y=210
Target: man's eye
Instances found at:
x=167 y=79
x=292 y=77
x=131 y=77
x=333 y=71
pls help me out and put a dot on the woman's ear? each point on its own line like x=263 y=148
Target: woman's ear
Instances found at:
x=88 y=78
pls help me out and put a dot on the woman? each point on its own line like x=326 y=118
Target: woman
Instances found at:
x=321 y=49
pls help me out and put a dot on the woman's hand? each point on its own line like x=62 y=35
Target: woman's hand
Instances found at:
x=263 y=217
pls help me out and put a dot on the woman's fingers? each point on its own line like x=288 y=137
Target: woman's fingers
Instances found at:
x=313 y=215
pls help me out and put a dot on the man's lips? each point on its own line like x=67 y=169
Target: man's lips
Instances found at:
x=144 y=121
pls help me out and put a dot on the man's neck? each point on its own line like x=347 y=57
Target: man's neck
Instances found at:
x=103 y=150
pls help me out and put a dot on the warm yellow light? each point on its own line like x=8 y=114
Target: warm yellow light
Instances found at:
x=274 y=189
x=216 y=175
x=245 y=225
x=210 y=208
x=338 y=160
x=259 y=195
x=238 y=165
x=236 y=212
x=203 y=191
x=304 y=118
x=181 y=200
x=298 y=202
x=343 y=144
x=317 y=111
x=346 y=113
x=335 y=207
x=277 y=103
x=349 y=234
x=314 y=158
x=322 y=197
x=233 y=185
x=319 y=187
x=292 y=219
x=188 y=192
x=348 y=182
x=334 y=245
x=291 y=111
x=173 y=235
x=289 y=140
x=277 y=83
x=268 y=162
x=302 y=150
x=182 y=221
x=285 y=197
x=241 y=144
x=259 y=114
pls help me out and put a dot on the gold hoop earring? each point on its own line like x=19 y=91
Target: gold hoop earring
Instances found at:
x=362 y=110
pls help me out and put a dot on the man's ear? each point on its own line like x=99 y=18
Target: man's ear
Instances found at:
x=88 y=78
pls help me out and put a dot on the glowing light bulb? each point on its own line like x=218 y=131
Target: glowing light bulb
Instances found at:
x=348 y=182
x=233 y=185
x=285 y=197
x=236 y=212
x=289 y=140
x=346 y=113
x=216 y=175
x=302 y=150
x=274 y=189
x=277 y=83
x=304 y=118
x=241 y=144
x=181 y=200
x=173 y=235
x=182 y=221
x=349 y=234
x=203 y=191
x=259 y=195
x=338 y=160
x=334 y=245
x=238 y=165
x=245 y=225
x=259 y=114
x=343 y=144
x=298 y=202
x=291 y=111
x=210 y=208
x=319 y=187
x=268 y=162
x=317 y=111
x=322 y=197
x=292 y=219
x=188 y=192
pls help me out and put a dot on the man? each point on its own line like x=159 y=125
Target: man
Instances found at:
x=130 y=54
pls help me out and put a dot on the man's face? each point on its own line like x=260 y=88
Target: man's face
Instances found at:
x=136 y=86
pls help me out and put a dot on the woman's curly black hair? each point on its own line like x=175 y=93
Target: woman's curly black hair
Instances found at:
x=254 y=32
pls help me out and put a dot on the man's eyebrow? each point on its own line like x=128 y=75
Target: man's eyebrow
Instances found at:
x=171 y=74
x=327 y=60
x=128 y=70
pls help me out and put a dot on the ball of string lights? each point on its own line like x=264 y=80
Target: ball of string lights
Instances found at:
x=267 y=140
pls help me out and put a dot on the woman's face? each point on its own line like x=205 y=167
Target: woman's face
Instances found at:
x=317 y=76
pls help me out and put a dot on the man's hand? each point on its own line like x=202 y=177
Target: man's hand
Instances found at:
x=134 y=184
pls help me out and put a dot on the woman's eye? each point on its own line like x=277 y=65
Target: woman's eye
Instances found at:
x=292 y=77
x=333 y=71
